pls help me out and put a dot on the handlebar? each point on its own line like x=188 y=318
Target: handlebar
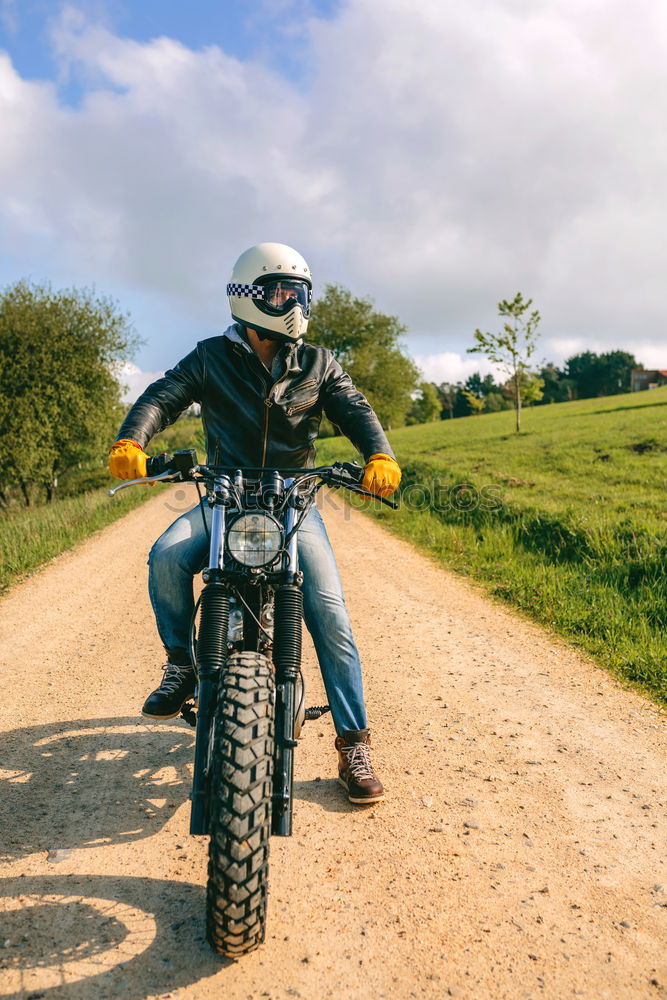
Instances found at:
x=183 y=467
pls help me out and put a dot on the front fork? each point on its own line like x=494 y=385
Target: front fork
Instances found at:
x=211 y=658
x=287 y=660
x=288 y=618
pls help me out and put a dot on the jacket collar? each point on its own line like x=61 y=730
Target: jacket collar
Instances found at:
x=289 y=353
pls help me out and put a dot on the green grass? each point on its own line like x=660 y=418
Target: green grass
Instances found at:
x=31 y=536
x=567 y=520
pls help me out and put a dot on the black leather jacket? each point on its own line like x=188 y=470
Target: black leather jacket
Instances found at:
x=249 y=418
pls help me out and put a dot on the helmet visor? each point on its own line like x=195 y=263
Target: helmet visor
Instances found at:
x=282 y=294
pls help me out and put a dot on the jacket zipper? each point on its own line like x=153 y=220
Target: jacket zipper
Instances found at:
x=301 y=406
x=309 y=382
x=268 y=403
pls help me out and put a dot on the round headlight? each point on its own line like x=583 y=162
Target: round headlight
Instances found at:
x=255 y=539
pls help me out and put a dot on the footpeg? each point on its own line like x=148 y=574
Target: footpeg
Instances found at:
x=316 y=711
x=188 y=713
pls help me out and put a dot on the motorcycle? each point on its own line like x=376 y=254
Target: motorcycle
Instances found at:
x=249 y=698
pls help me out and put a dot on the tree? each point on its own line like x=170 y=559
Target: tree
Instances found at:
x=447 y=396
x=557 y=388
x=481 y=394
x=600 y=374
x=514 y=346
x=367 y=344
x=531 y=385
x=617 y=371
x=426 y=405
x=462 y=405
x=476 y=403
x=480 y=386
x=532 y=388
x=494 y=402
x=59 y=397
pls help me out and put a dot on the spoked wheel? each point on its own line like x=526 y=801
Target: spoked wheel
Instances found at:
x=240 y=805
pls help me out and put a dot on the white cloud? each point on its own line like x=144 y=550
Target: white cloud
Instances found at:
x=448 y=366
x=134 y=380
x=439 y=158
x=646 y=353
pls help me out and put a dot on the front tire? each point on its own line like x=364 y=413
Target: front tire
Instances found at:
x=240 y=805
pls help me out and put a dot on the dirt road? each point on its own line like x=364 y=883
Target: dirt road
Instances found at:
x=521 y=850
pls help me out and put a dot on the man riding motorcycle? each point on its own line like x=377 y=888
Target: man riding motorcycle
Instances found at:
x=262 y=392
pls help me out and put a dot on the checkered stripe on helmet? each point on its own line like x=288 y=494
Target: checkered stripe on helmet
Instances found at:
x=242 y=291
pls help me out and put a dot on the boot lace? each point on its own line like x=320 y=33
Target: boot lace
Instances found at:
x=359 y=761
x=174 y=676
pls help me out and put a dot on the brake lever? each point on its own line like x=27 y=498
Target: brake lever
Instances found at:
x=346 y=473
x=340 y=480
x=174 y=477
x=374 y=496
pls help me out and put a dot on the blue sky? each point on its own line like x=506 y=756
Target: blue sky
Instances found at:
x=272 y=31
x=436 y=158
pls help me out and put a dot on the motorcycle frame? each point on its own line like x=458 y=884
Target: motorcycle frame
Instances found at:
x=285 y=585
x=221 y=499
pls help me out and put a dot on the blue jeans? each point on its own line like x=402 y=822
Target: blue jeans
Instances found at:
x=182 y=552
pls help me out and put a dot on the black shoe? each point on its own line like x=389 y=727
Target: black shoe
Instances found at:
x=178 y=684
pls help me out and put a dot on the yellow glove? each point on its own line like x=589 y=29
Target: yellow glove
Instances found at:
x=382 y=475
x=127 y=460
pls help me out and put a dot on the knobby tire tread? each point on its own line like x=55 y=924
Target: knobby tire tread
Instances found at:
x=240 y=806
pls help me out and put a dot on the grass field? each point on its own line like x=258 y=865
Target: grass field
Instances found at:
x=31 y=536
x=566 y=521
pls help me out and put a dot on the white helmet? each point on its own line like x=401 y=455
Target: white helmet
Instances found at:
x=270 y=291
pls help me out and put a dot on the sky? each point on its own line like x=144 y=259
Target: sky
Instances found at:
x=436 y=158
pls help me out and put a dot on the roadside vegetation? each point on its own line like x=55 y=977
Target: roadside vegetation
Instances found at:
x=566 y=521
x=59 y=395
x=30 y=536
x=60 y=407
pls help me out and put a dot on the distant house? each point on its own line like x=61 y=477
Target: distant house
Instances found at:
x=641 y=378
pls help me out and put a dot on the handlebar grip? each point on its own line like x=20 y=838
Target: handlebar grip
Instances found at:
x=158 y=464
x=180 y=461
x=354 y=470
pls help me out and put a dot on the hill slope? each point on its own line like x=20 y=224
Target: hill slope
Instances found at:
x=566 y=520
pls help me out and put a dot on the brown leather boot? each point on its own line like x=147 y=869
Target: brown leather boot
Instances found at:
x=355 y=771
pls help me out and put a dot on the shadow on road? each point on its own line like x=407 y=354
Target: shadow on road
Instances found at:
x=90 y=782
x=79 y=936
x=327 y=793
